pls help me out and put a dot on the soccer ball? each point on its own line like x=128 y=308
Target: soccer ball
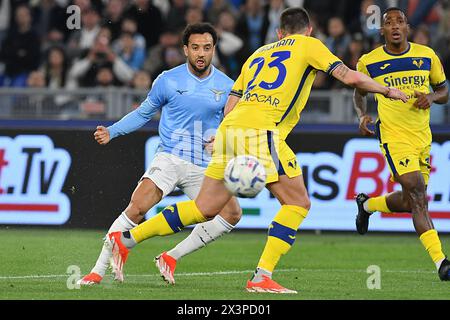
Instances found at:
x=245 y=177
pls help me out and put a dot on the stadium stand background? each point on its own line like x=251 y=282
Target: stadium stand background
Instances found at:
x=104 y=69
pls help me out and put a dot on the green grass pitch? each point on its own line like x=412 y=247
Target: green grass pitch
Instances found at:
x=35 y=262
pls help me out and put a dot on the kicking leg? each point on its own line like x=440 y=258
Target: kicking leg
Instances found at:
x=206 y=232
x=212 y=198
x=145 y=196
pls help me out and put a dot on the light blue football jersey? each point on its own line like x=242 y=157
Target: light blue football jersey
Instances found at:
x=191 y=110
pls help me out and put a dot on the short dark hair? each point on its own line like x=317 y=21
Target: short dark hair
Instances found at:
x=294 y=20
x=199 y=28
x=393 y=9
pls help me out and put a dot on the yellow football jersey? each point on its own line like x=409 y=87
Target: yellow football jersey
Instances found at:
x=275 y=83
x=416 y=69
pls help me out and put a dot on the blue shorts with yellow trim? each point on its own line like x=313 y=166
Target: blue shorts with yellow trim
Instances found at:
x=274 y=154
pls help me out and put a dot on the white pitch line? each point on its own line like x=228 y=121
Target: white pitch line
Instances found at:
x=143 y=275
x=34 y=276
x=191 y=274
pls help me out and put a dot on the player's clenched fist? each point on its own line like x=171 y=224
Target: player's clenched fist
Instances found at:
x=424 y=101
x=101 y=135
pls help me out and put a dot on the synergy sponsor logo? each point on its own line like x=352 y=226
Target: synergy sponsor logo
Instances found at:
x=32 y=173
x=416 y=81
x=333 y=180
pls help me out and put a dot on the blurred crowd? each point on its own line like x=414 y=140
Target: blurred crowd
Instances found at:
x=129 y=42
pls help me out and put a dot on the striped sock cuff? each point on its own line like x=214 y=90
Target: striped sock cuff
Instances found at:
x=282 y=232
x=228 y=226
x=172 y=217
x=126 y=221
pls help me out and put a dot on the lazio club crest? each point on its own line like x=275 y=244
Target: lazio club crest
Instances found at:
x=217 y=94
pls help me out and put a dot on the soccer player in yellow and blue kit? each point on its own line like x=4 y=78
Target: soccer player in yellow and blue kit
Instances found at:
x=272 y=89
x=403 y=129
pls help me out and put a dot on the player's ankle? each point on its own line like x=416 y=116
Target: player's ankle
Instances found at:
x=128 y=240
x=259 y=273
x=438 y=263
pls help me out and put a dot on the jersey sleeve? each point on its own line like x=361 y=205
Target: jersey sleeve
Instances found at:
x=134 y=120
x=320 y=57
x=361 y=67
x=157 y=97
x=238 y=87
x=437 y=74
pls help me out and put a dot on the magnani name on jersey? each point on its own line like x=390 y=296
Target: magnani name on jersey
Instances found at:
x=261 y=98
x=406 y=82
x=283 y=42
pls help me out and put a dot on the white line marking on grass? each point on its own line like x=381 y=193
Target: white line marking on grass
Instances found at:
x=365 y=271
x=144 y=275
x=34 y=276
x=216 y=273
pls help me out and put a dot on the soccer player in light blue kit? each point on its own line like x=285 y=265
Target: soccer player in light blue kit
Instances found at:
x=191 y=98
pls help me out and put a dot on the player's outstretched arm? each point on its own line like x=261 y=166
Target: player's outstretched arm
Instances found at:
x=361 y=81
x=132 y=121
x=360 y=105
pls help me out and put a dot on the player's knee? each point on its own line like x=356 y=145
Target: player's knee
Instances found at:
x=406 y=206
x=417 y=193
x=306 y=204
x=206 y=211
x=303 y=202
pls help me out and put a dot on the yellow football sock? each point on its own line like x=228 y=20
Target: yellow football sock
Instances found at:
x=281 y=235
x=378 y=204
x=432 y=244
x=171 y=220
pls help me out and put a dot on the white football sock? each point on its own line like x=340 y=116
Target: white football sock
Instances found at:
x=438 y=263
x=258 y=275
x=202 y=234
x=366 y=206
x=122 y=223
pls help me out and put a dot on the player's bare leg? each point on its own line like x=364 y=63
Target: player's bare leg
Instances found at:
x=413 y=199
x=145 y=196
x=203 y=234
x=293 y=196
x=397 y=201
x=414 y=189
x=212 y=198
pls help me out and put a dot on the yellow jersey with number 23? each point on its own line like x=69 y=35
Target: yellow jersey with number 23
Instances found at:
x=275 y=83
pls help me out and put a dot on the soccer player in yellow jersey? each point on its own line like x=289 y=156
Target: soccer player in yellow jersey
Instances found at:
x=273 y=88
x=403 y=129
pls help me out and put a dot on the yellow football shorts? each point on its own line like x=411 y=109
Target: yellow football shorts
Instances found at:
x=274 y=154
x=404 y=158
